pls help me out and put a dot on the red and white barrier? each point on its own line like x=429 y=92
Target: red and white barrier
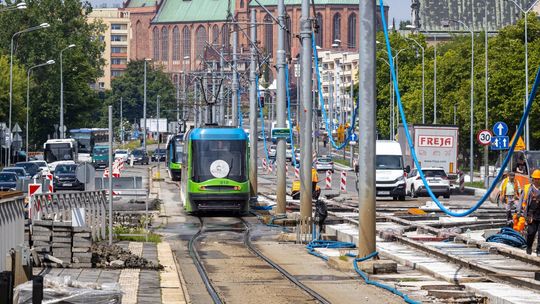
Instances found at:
x=287 y=170
x=461 y=181
x=50 y=178
x=328 y=180
x=106 y=173
x=264 y=164
x=270 y=168
x=296 y=172
x=343 y=183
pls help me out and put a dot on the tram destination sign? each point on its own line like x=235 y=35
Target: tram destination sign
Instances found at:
x=281 y=132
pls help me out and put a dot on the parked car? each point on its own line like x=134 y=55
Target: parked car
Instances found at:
x=32 y=169
x=42 y=165
x=159 y=155
x=272 y=152
x=324 y=163
x=437 y=181
x=8 y=181
x=122 y=154
x=140 y=157
x=65 y=178
x=21 y=173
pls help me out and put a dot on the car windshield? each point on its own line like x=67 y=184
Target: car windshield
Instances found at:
x=66 y=169
x=101 y=150
x=121 y=152
x=389 y=162
x=28 y=167
x=324 y=160
x=18 y=171
x=5 y=177
x=219 y=159
x=137 y=153
x=434 y=173
x=41 y=163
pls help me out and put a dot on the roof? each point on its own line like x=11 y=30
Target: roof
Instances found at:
x=141 y=3
x=218 y=134
x=175 y=11
x=299 y=2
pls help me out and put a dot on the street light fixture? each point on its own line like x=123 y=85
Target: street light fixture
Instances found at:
x=18 y=6
x=49 y=62
x=446 y=23
x=62 y=127
x=526 y=13
x=31 y=29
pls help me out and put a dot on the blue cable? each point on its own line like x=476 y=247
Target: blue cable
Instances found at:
x=336 y=244
x=508 y=236
x=411 y=145
x=289 y=113
x=262 y=119
x=350 y=130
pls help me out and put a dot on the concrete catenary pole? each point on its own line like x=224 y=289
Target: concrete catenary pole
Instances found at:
x=367 y=118
x=281 y=110
x=306 y=141
x=486 y=88
x=177 y=129
x=253 y=109
x=221 y=99
x=110 y=173
x=144 y=108
x=158 y=174
x=234 y=92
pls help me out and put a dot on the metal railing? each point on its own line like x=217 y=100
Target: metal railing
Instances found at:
x=86 y=208
x=11 y=224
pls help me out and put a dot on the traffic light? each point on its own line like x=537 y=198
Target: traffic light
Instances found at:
x=262 y=101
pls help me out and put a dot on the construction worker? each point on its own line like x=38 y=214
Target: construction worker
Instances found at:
x=509 y=195
x=531 y=201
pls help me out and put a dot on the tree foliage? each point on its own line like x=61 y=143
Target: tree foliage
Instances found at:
x=82 y=65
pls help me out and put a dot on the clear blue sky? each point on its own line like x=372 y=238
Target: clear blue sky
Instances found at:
x=399 y=9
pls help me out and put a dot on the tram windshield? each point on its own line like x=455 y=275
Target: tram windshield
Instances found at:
x=207 y=152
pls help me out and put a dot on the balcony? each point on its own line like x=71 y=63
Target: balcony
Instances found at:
x=121 y=55
x=119 y=66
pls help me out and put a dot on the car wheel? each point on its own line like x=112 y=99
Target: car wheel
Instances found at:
x=413 y=193
x=401 y=198
x=447 y=195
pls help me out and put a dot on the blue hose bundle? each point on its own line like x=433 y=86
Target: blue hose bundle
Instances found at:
x=326 y=244
x=509 y=237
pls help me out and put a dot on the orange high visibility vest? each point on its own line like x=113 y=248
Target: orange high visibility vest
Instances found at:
x=517 y=187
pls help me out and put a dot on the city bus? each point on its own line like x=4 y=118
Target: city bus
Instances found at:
x=86 y=140
x=56 y=151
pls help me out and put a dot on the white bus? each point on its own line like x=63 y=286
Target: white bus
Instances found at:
x=57 y=151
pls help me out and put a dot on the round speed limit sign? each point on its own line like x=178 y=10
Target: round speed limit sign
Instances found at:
x=484 y=137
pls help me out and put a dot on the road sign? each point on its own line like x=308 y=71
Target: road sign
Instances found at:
x=500 y=129
x=500 y=143
x=354 y=137
x=281 y=132
x=17 y=128
x=34 y=189
x=520 y=145
x=484 y=137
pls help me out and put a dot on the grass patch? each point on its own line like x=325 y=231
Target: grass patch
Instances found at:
x=341 y=161
x=152 y=237
x=475 y=184
x=344 y=258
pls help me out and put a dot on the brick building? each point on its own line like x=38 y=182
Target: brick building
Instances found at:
x=178 y=33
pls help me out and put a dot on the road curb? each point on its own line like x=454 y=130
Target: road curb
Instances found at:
x=342 y=167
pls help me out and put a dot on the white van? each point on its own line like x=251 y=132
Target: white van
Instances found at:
x=390 y=174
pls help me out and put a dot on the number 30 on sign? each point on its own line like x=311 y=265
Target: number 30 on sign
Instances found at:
x=484 y=137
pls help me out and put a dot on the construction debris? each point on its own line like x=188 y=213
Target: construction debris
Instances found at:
x=113 y=256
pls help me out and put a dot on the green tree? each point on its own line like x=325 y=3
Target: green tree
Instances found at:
x=19 y=89
x=82 y=65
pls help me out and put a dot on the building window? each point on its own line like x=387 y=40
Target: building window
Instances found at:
x=164 y=44
x=202 y=38
x=116 y=73
x=351 y=31
x=241 y=3
x=176 y=44
x=118 y=50
x=319 y=35
x=118 y=61
x=117 y=26
x=215 y=35
x=336 y=31
x=156 y=43
x=268 y=34
x=186 y=42
x=225 y=35
x=118 y=38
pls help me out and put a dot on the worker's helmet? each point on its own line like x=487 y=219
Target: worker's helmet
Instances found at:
x=536 y=174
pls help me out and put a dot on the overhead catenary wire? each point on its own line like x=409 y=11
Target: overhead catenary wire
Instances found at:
x=532 y=95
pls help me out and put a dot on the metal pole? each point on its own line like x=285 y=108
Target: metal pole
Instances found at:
x=423 y=88
x=61 y=97
x=526 y=80
x=122 y=119
x=281 y=104
x=253 y=110
x=27 y=108
x=366 y=122
x=306 y=148
x=234 y=93
x=158 y=174
x=221 y=99
x=472 y=109
x=10 y=100
x=144 y=107
x=435 y=81
x=110 y=173
x=185 y=98
x=177 y=104
x=486 y=79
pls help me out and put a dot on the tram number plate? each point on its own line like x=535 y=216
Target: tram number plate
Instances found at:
x=383 y=192
x=68 y=185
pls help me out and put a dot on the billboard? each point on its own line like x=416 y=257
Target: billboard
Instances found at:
x=152 y=125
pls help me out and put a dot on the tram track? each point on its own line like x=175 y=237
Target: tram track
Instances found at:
x=266 y=278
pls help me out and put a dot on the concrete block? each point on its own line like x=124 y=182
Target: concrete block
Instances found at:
x=82 y=240
x=81 y=229
x=82 y=234
x=41 y=229
x=82 y=244
x=62 y=251
x=62 y=224
x=61 y=239
x=62 y=233
x=42 y=248
x=81 y=259
x=80 y=249
x=82 y=254
x=43 y=238
x=81 y=265
x=41 y=243
x=42 y=223
x=61 y=245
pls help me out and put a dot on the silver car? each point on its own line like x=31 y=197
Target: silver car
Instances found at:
x=324 y=164
x=272 y=152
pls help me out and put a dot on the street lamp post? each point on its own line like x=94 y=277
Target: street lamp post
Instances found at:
x=423 y=78
x=49 y=62
x=526 y=13
x=31 y=29
x=446 y=23
x=392 y=111
x=144 y=105
x=62 y=127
